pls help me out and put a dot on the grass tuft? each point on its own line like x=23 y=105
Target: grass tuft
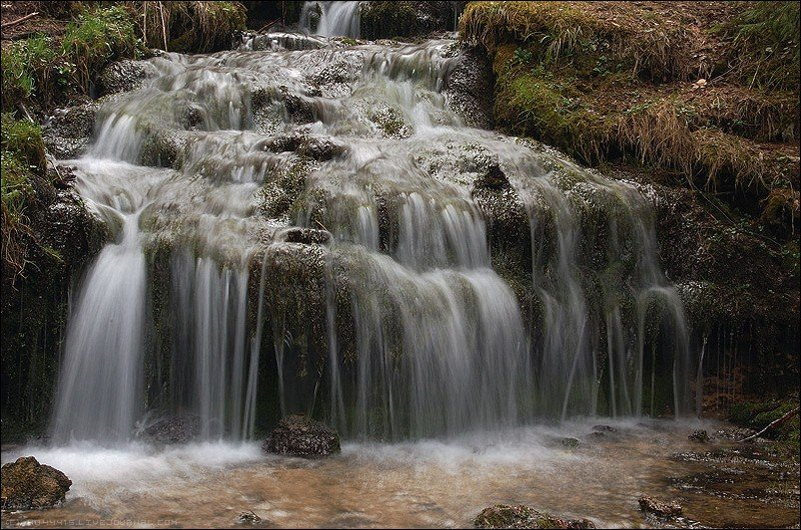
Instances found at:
x=22 y=158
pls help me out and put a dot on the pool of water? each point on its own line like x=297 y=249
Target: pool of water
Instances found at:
x=430 y=483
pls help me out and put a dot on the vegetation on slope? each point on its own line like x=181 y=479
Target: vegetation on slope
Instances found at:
x=707 y=90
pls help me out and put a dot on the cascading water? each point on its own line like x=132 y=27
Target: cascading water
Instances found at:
x=422 y=331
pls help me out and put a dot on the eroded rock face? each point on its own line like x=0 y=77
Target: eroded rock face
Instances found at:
x=519 y=516
x=659 y=508
x=298 y=435
x=470 y=86
x=387 y=20
x=29 y=485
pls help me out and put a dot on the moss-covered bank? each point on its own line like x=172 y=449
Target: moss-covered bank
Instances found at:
x=663 y=85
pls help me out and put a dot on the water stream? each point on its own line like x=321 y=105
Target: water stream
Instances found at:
x=421 y=484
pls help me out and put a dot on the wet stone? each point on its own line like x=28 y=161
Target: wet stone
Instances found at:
x=570 y=443
x=29 y=485
x=307 y=236
x=68 y=131
x=248 y=517
x=604 y=428
x=493 y=179
x=124 y=76
x=321 y=148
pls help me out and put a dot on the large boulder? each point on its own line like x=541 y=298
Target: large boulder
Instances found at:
x=299 y=435
x=29 y=485
x=519 y=516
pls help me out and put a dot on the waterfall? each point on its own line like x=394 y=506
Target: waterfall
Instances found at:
x=331 y=19
x=400 y=305
x=99 y=395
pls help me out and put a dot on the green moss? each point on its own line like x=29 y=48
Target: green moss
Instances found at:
x=97 y=37
x=23 y=159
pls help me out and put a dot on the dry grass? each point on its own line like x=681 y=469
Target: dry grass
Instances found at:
x=189 y=26
x=642 y=36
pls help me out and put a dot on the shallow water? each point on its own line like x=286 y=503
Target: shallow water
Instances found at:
x=426 y=483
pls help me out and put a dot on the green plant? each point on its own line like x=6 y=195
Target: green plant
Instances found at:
x=766 y=44
x=21 y=159
x=27 y=70
x=95 y=38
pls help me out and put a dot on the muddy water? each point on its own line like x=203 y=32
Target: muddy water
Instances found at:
x=419 y=484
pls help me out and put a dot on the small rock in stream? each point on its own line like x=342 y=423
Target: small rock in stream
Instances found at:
x=520 y=516
x=248 y=517
x=660 y=508
x=174 y=430
x=700 y=436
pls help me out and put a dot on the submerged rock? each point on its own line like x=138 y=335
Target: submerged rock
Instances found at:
x=175 y=430
x=660 y=508
x=519 y=516
x=569 y=442
x=248 y=517
x=299 y=435
x=29 y=485
x=493 y=179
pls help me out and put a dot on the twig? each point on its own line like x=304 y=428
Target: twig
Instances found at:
x=774 y=423
x=15 y=22
x=144 y=21
x=163 y=25
x=269 y=25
